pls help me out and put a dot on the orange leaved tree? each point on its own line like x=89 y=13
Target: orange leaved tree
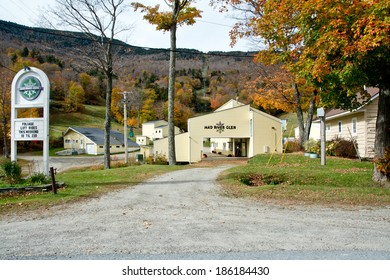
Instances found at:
x=271 y=25
x=339 y=46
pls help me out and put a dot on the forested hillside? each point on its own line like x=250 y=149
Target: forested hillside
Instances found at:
x=204 y=80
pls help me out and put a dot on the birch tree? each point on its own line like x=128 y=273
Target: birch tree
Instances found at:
x=180 y=13
x=98 y=20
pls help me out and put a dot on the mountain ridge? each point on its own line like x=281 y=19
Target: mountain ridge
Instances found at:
x=23 y=34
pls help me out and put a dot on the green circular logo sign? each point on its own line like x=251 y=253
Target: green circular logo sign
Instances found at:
x=30 y=88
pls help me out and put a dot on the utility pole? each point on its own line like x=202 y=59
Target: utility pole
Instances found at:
x=125 y=101
x=321 y=115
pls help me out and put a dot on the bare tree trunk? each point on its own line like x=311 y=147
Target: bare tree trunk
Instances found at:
x=98 y=21
x=299 y=112
x=171 y=87
x=304 y=130
x=107 y=123
x=382 y=137
x=310 y=114
x=5 y=87
x=5 y=140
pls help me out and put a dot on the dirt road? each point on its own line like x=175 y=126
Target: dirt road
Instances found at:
x=185 y=214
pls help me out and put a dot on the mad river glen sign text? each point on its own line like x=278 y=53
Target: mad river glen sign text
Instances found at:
x=220 y=127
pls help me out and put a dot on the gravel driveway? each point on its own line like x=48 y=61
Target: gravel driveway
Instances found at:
x=184 y=214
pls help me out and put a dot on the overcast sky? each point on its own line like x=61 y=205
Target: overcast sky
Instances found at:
x=210 y=33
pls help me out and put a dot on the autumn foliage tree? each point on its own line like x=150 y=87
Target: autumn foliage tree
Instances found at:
x=180 y=13
x=272 y=90
x=271 y=24
x=347 y=48
x=5 y=106
x=75 y=97
x=338 y=46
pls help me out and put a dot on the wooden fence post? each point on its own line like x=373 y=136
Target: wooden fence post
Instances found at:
x=53 y=180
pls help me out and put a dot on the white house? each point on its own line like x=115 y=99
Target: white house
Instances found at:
x=142 y=140
x=359 y=124
x=148 y=128
x=153 y=130
x=314 y=131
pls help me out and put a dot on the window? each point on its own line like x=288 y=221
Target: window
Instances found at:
x=340 y=126
x=354 y=126
x=118 y=147
x=67 y=141
x=100 y=147
x=328 y=127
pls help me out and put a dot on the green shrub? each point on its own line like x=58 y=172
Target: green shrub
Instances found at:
x=330 y=147
x=312 y=146
x=12 y=171
x=158 y=160
x=161 y=160
x=38 y=179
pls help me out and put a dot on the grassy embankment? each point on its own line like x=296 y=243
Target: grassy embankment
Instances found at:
x=296 y=179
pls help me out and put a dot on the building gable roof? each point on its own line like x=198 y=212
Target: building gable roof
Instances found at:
x=335 y=113
x=229 y=105
x=96 y=135
x=156 y=122
x=240 y=105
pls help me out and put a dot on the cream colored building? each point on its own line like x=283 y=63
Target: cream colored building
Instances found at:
x=91 y=140
x=153 y=130
x=162 y=131
x=314 y=131
x=156 y=129
x=148 y=128
x=359 y=124
x=142 y=140
x=244 y=130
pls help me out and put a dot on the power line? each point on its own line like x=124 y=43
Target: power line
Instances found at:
x=4 y=8
x=83 y=36
x=214 y=23
x=22 y=8
x=1 y=65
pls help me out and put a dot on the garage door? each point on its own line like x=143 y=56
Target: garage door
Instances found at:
x=90 y=149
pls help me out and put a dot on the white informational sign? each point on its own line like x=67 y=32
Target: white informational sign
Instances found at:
x=29 y=129
x=30 y=89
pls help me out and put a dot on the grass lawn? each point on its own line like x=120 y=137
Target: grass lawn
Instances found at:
x=299 y=179
x=82 y=184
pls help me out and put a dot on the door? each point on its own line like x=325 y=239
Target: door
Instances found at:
x=90 y=149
